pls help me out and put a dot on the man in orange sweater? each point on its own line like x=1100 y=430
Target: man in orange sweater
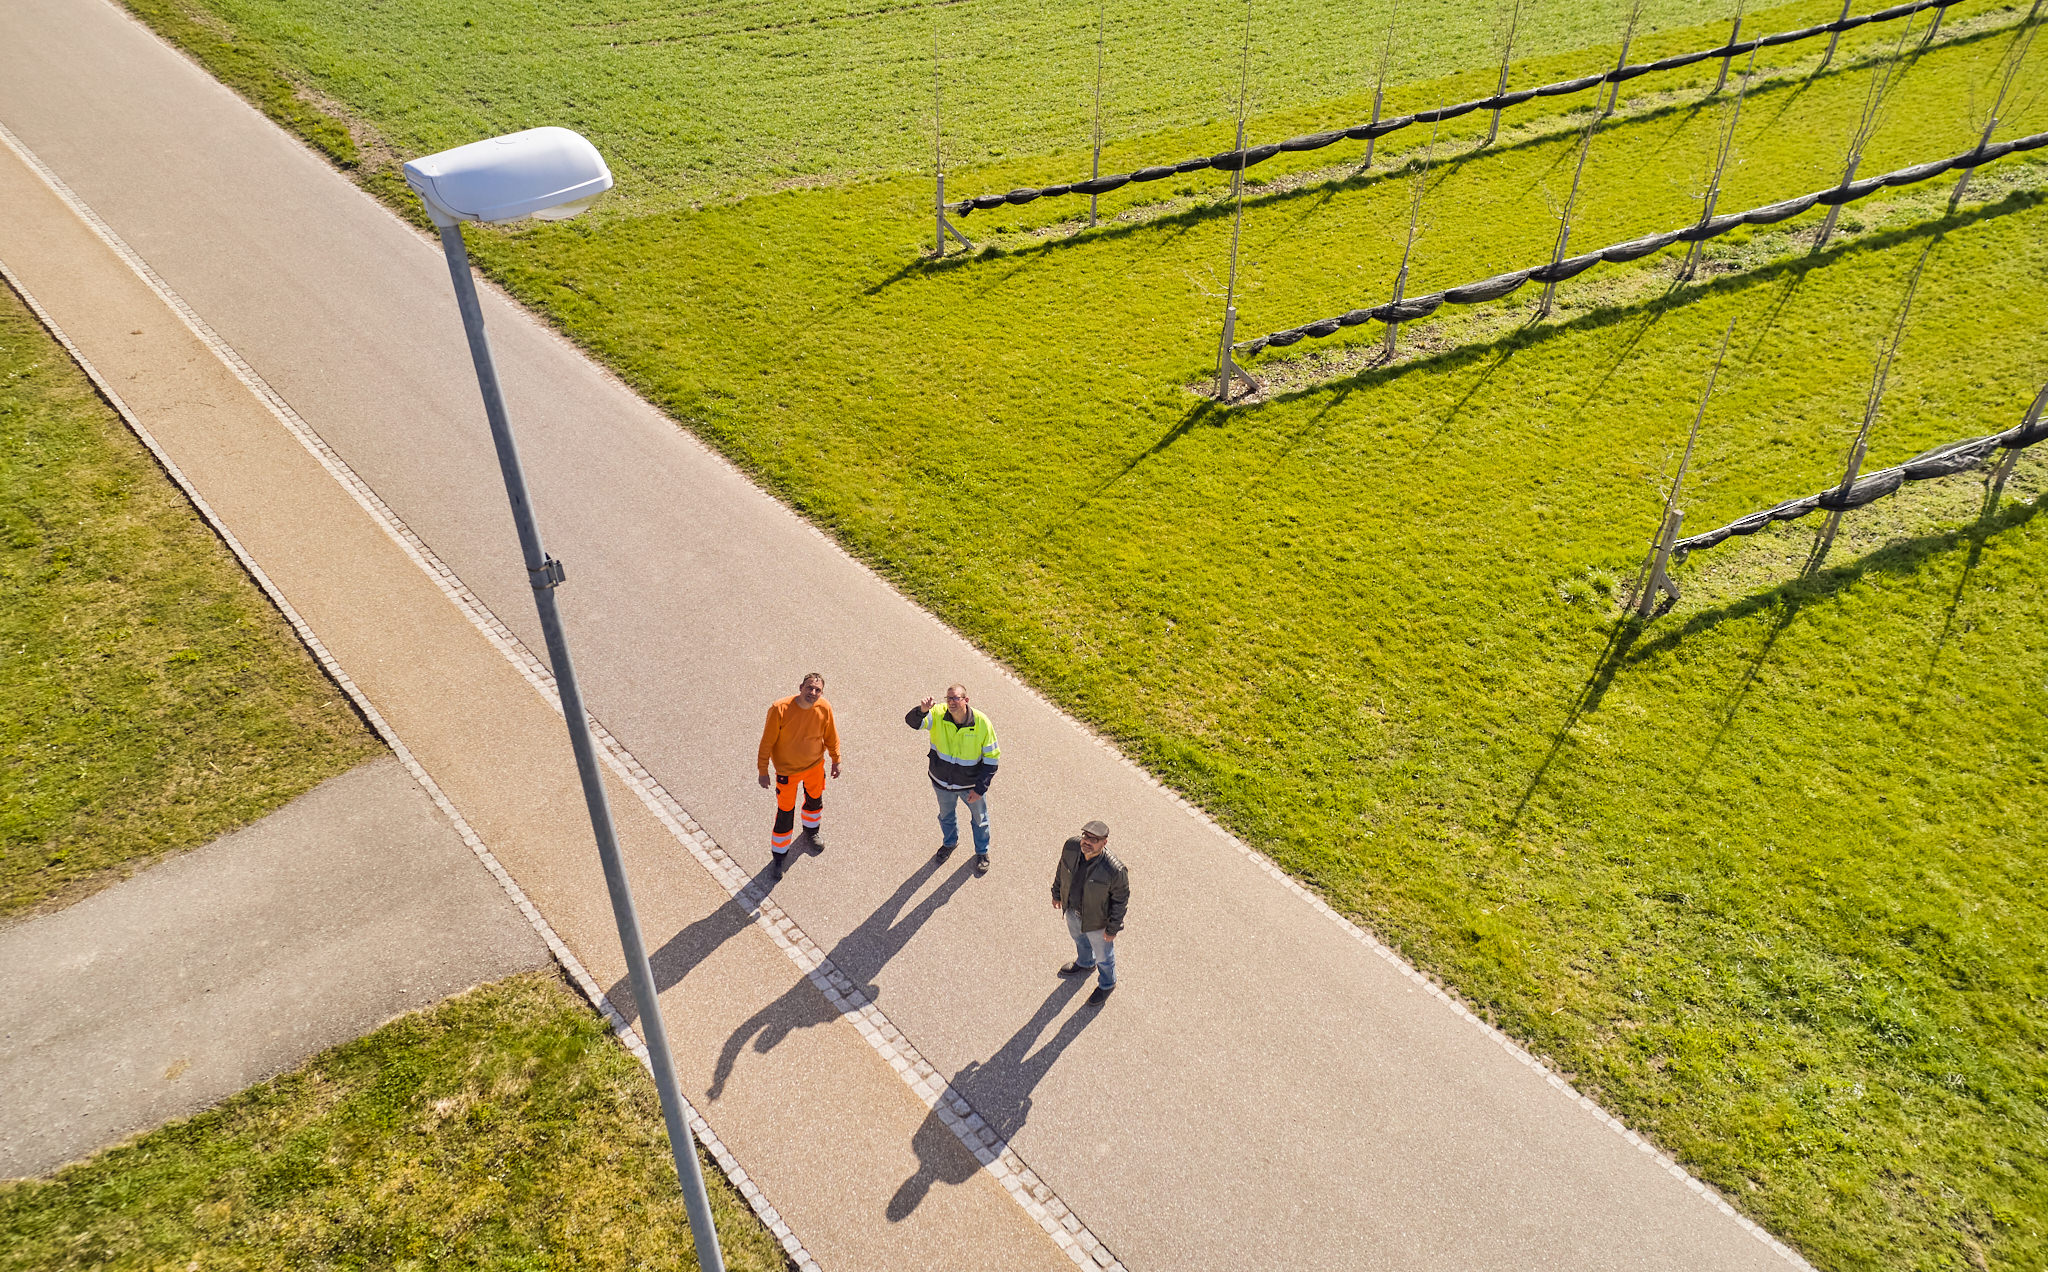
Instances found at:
x=796 y=737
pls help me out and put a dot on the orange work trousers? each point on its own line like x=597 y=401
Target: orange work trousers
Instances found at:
x=812 y=780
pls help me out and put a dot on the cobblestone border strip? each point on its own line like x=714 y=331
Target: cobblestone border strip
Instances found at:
x=571 y=965
x=994 y=1154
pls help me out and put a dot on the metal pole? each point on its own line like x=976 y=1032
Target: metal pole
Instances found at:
x=1101 y=29
x=1996 y=482
x=545 y=574
x=1658 y=577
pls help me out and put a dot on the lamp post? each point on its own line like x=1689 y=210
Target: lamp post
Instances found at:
x=553 y=174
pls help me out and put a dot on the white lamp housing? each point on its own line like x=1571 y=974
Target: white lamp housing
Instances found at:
x=550 y=173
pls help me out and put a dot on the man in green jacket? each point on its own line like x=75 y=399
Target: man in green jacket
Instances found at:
x=963 y=762
x=1093 y=889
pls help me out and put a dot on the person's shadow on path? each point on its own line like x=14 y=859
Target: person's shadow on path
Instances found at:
x=859 y=956
x=691 y=946
x=1000 y=1091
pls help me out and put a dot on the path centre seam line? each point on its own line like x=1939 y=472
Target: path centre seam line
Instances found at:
x=579 y=975
x=995 y=1155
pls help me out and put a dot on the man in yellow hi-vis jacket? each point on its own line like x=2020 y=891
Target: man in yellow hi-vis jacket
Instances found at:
x=964 y=755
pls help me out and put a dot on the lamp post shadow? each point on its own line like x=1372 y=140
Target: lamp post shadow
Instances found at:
x=1000 y=1091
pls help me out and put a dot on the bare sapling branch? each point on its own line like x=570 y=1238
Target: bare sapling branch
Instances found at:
x=1734 y=34
x=1628 y=35
x=1101 y=30
x=1507 y=53
x=945 y=226
x=1379 y=87
x=1888 y=349
x=1420 y=187
x=1883 y=77
x=1654 y=577
x=1721 y=157
x=2009 y=71
x=1227 y=369
x=1564 y=227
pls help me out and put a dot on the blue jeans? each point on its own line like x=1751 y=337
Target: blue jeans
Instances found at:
x=949 y=820
x=1093 y=949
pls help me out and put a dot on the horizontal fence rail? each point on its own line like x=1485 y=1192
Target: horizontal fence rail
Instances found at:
x=1942 y=461
x=1238 y=160
x=1412 y=308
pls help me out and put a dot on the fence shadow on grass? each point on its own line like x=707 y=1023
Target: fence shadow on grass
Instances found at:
x=1791 y=270
x=1906 y=556
x=1625 y=647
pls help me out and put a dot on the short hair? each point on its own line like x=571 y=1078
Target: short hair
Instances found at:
x=961 y=688
x=809 y=676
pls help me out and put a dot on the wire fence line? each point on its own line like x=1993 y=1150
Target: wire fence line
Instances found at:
x=1411 y=308
x=1248 y=156
x=1942 y=461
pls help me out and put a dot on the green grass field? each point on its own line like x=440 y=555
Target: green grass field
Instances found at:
x=502 y=1129
x=1763 y=876
x=150 y=697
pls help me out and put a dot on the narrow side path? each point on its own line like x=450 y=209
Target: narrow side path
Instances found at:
x=236 y=961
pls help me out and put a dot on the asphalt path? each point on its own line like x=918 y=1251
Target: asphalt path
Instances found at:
x=1264 y=1088
x=229 y=964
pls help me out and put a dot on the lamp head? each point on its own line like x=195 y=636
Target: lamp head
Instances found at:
x=550 y=173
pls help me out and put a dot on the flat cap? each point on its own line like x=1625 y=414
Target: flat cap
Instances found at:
x=1095 y=830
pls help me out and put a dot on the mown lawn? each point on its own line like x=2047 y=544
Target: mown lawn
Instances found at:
x=150 y=696
x=1762 y=876
x=500 y=1129
x=695 y=104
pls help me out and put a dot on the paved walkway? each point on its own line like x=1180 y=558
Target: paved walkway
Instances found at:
x=1332 y=1112
x=236 y=961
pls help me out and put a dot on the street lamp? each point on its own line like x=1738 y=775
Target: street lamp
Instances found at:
x=552 y=174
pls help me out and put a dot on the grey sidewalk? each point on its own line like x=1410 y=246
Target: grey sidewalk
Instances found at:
x=1266 y=1088
x=234 y=962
